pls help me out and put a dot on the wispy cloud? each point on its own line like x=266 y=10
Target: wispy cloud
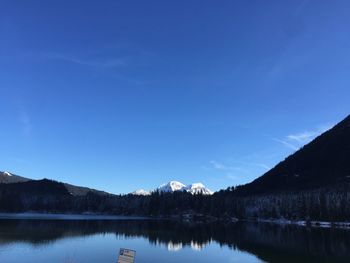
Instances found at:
x=287 y=144
x=232 y=177
x=95 y=62
x=238 y=167
x=221 y=166
x=230 y=172
x=297 y=140
x=238 y=170
x=304 y=137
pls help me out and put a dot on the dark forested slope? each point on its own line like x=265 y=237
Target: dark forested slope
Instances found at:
x=9 y=178
x=322 y=163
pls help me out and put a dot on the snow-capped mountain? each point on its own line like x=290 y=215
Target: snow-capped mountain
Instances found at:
x=173 y=186
x=198 y=188
x=141 y=192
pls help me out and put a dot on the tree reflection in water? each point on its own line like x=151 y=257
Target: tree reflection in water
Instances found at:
x=269 y=242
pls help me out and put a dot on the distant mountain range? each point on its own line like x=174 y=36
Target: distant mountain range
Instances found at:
x=173 y=186
x=196 y=188
x=323 y=162
x=9 y=178
x=312 y=183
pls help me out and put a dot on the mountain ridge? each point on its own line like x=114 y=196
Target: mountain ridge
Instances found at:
x=322 y=162
x=174 y=186
x=10 y=178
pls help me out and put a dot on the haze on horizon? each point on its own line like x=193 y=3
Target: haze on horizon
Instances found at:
x=122 y=95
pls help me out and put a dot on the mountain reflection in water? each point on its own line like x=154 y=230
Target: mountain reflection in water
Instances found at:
x=268 y=242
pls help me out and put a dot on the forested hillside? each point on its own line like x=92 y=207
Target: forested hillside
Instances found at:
x=323 y=162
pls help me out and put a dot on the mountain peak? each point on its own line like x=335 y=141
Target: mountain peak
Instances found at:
x=197 y=185
x=198 y=188
x=172 y=186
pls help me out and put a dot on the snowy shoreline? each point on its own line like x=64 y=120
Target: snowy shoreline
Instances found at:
x=321 y=224
x=90 y=216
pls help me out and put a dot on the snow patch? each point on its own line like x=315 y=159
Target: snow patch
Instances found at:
x=196 y=188
x=7 y=173
x=174 y=186
x=141 y=192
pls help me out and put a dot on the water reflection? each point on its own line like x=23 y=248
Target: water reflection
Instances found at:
x=268 y=242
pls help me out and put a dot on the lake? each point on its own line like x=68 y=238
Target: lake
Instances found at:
x=91 y=240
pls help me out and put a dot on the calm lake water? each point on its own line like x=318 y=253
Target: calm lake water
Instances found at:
x=81 y=240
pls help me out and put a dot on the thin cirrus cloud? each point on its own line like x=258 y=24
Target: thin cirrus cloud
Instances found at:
x=304 y=137
x=221 y=166
x=240 y=168
x=229 y=171
x=297 y=140
x=287 y=144
x=96 y=62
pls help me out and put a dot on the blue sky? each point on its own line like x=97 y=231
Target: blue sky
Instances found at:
x=121 y=95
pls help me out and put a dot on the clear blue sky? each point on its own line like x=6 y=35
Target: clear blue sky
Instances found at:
x=121 y=95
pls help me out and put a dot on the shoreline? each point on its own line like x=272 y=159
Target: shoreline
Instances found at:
x=61 y=216
x=92 y=216
x=304 y=223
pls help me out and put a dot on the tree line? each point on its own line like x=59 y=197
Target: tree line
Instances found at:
x=328 y=203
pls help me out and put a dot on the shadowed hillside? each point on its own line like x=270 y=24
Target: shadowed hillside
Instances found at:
x=323 y=162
